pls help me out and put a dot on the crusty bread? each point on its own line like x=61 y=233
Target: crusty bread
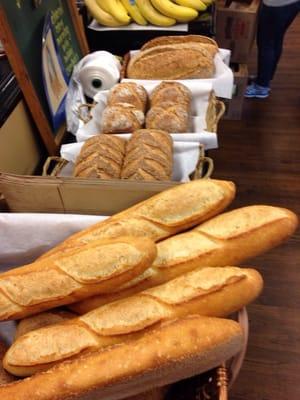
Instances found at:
x=208 y=43
x=92 y=269
x=128 y=92
x=175 y=92
x=228 y=239
x=5 y=377
x=174 y=351
x=174 y=61
x=153 y=138
x=209 y=291
x=121 y=118
x=163 y=215
x=43 y=319
x=169 y=116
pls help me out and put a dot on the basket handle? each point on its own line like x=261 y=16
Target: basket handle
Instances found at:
x=222 y=382
x=202 y=160
x=58 y=164
x=220 y=110
x=89 y=106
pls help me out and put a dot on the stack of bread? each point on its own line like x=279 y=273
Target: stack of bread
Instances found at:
x=174 y=57
x=152 y=304
x=147 y=156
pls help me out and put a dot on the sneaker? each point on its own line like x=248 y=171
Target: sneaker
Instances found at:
x=255 y=90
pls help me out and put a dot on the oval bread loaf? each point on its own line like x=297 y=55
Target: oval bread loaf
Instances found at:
x=208 y=291
x=163 y=215
x=175 y=92
x=170 y=117
x=227 y=239
x=130 y=93
x=95 y=268
x=121 y=118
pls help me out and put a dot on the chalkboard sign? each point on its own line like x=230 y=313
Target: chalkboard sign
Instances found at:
x=22 y=24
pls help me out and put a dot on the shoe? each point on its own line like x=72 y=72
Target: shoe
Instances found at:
x=255 y=90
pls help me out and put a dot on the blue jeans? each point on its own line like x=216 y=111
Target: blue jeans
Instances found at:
x=273 y=23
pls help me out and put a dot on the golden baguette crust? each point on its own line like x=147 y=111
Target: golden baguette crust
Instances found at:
x=174 y=351
x=91 y=269
x=5 y=377
x=163 y=215
x=228 y=239
x=208 y=291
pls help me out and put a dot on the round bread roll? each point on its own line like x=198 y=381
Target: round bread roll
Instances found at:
x=170 y=117
x=171 y=91
x=128 y=92
x=121 y=118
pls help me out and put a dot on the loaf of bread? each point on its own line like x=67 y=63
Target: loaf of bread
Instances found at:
x=5 y=377
x=205 y=41
x=101 y=157
x=208 y=291
x=121 y=118
x=163 y=215
x=130 y=93
x=169 y=116
x=172 y=61
x=88 y=270
x=175 y=92
x=149 y=161
x=228 y=239
x=43 y=319
x=176 y=350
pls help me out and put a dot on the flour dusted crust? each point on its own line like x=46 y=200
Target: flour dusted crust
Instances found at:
x=175 y=92
x=121 y=118
x=169 y=116
x=130 y=93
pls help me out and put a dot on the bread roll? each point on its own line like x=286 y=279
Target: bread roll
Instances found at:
x=209 y=291
x=228 y=239
x=128 y=92
x=121 y=118
x=92 y=269
x=174 y=61
x=40 y=320
x=174 y=351
x=101 y=156
x=170 y=117
x=175 y=92
x=205 y=41
x=148 y=162
x=5 y=377
x=163 y=215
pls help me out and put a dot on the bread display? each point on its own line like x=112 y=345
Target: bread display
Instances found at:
x=101 y=157
x=210 y=292
x=171 y=62
x=165 y=214
x=227 y=239
x=205 y=41
x=121 y=118
x=174 y=92
x=95 y=268
x=5 y=377
x=130 y=93
x=177 y=349
x=169 y=116
x=144 y=161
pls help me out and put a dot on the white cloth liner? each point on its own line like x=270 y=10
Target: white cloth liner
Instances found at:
x=185 y=157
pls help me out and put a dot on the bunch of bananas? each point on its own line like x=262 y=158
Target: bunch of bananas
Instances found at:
x=157 y=12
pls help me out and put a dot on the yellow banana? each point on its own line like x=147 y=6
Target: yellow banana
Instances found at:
x=198 y=5
x=180 y=13
x=100 y=15
x=152 y=15
x=134 y=11
x=116 y=9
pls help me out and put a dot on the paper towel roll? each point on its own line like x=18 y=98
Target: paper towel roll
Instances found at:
x=99 y=71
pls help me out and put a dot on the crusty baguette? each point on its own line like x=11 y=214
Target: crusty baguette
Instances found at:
x=215 y=292
x=42 y=319
x=228 y=239
x=5 y=377
x=163 y=215
x=92 y=269
x=174 y=351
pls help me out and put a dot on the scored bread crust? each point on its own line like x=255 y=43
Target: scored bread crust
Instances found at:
x=128 y=92
x=121 y=118
x=171 y=91
x=169 y=116
x=174 y=351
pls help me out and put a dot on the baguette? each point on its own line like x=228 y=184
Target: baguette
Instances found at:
x=215 y=292
x=163 y=215
x=95 y=268
x=5 y=377
x=174 y=351
x=228 y=239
